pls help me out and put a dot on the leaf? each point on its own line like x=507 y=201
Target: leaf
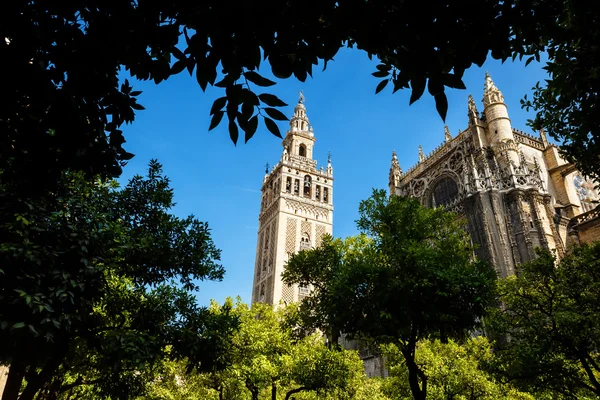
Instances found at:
x=18 y=325
x=441 y=104
x=380 y=74
x=251 y=128
x=381 y=85
x=216 y=120
x=201 y=75
x=178 y=67
x=218 y=105
x=271 y=100
x=453 y=81
x=383 y=67
x=275 y=114
x=137 y=106
x=233 y=131
x=418 y=87
x=272 y=127
x=257 y=79
x=529 y=60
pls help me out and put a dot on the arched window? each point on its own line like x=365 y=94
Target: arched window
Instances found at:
x=297 y=186
x=302 y=150
x=325 y=195
x=307 y=185
x=304 y=241
x=288 y=185
x=444 y=192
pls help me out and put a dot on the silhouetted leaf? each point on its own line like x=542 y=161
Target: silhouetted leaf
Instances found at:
x=218 y=105
x=216 y=119
x=272 y=127
x=233 y=131
x=137 y=106
x=418 y=87
x=251 y=128
x=380 y=74
x=453 y=81
x=257 y=79
x=381 y=85
x=275 y=114
x=441 y=104
x=271 y=100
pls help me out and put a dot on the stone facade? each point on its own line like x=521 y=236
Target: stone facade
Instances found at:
x=296 y=211
x=3 y=376
x=514 y=189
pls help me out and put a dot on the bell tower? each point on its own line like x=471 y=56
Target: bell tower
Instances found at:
x=296 y=211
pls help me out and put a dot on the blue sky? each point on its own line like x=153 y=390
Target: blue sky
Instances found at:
x=220 y=183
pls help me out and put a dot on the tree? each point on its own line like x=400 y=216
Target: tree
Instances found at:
x=549 y=317
x=415 y=278
x=566 y=104
x=65 y=105
x=98 y=281
x=268 y=360
x=453 y=371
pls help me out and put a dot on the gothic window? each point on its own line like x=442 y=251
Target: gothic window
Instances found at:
x=444 y=192
x=297 y=186
x=288 y=185
x=305 y=241
x=307 y=185
x=325 y=195
x=318 y=193
x=586 y=192
x=302 y=150
x=303 y=291
x=261 y=297
x=267 y=237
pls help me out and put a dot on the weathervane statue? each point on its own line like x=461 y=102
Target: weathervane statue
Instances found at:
x=302 y=99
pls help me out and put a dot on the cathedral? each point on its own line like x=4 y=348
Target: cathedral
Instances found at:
x=296 y=211
x=514 y=190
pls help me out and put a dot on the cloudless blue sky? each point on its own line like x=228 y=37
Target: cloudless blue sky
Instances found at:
x=220 y=183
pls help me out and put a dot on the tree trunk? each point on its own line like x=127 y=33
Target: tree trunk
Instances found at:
x=16 y=372
x=37 y=382
x=273 y=391
x=293 y=391
x=419 y=392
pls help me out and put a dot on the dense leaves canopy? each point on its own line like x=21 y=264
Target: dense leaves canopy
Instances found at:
x=65 y=105
x=412 y=277
x=550 y=316
x=101 y=279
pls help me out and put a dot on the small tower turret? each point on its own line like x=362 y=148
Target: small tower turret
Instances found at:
x=447 y=134
x=395 y=173
x=499 y=132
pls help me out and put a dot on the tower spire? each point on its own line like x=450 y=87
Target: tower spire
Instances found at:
x=447 y=134
x=299 y=121
x=491 y=94
x=395 y=173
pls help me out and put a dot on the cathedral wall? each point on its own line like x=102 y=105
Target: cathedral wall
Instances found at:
x=3 y=377
x=589 y=231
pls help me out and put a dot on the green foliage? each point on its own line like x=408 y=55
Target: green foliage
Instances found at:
x=453 y=371
x=411 y=276
x=567 y=103
x=65 y=107
x=98 y=281
x=550 y=319
x=266 y=360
